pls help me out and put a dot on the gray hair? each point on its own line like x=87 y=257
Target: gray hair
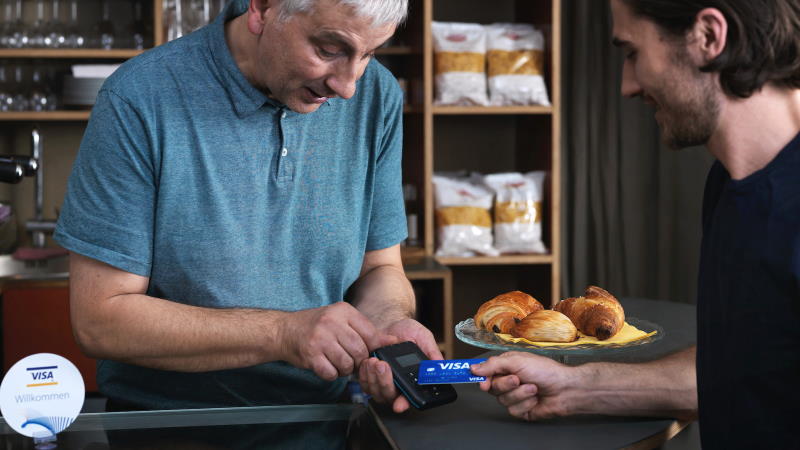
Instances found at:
x=382 y=12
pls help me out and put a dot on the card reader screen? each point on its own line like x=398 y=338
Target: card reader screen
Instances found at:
x=408 y=360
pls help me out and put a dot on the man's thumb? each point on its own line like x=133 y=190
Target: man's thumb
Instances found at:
x=491 y=367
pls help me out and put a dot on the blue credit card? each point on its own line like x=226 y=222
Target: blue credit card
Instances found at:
x=448 y=371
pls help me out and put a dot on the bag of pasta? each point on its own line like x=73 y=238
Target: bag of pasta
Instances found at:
x=518 y=211
x=459 y=63
x=515 y=53
x=463 y=218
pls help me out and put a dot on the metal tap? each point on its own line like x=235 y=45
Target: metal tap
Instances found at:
x=38 y=226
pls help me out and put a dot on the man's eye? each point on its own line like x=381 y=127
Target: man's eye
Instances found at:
x=327 y=53
x=630 y=55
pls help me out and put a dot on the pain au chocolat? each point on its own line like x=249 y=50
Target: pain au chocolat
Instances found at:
x=597 y=313
x=546 y=326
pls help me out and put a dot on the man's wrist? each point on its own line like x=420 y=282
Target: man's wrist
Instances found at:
x=279 y=343
x=576 y=392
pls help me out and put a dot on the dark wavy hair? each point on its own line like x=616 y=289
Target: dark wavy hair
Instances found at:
x=763 y=41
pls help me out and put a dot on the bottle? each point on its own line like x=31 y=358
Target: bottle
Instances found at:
x=412 y=217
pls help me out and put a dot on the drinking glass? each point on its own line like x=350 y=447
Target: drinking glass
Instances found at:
x=18 y=34
x=174 y=19
x=5 y=90
x=138 y=28
x=19 y=101
x=57 y=33
x=38 y=32
x=75 y=36
x=37 y=93
x=105 y=29
x=53 y=83
x=5 y=27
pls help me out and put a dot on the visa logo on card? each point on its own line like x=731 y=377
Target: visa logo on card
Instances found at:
x=448 y=371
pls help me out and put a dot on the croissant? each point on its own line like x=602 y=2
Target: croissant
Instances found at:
x=597 y=313
x=501 y=313
x=547 y=326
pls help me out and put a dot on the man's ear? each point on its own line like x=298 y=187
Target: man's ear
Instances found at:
x=256 y=14
x=710 y=33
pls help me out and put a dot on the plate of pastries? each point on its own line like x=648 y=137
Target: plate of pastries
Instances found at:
x=588 y=323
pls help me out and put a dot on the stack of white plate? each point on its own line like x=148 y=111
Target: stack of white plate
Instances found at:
x=81 y=87
x=81 y=91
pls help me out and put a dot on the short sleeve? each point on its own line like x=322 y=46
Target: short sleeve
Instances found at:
x=108 y=209
x=387 y=221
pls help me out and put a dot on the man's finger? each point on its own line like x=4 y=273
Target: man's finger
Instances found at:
x=400 y=404
x=524 y=409
x=501 y=385
x=369 y=334
x=385 y=380
x=353 y=346
x=431 y=349
x=323 y=368
x=518 y=395
x=387 y=339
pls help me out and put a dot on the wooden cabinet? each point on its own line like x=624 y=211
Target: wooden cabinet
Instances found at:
x=442 y=138
x=35 y=319
x=66 y=56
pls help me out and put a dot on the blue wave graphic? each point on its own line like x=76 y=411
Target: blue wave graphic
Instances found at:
x=54 y=424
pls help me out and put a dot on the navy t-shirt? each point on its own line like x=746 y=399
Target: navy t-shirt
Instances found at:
x=748 y=346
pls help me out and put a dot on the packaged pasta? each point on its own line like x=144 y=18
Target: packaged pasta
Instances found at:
x=515 y=54
x=459 y=63
x=463 y=219
x=518 y=211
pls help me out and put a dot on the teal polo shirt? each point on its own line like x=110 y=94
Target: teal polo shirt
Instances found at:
x=190 y=176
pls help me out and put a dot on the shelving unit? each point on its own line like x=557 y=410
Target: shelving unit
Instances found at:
x=488 y=140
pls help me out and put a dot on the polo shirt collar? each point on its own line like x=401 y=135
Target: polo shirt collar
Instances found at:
x=245 y=97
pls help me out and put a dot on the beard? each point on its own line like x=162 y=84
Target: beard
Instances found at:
x=688 y=111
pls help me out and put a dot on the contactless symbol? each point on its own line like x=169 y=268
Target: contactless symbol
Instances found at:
x=41 y=395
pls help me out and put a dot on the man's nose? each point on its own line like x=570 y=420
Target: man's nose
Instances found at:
x=343 y=80
x=630 y=85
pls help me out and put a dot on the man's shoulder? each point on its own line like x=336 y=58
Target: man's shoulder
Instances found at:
x=377 y=76
x=151 y=71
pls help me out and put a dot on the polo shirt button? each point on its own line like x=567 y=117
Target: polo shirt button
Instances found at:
x=284 y=152
x=283 y=115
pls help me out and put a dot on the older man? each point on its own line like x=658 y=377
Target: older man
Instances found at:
x=233 y=187
x=724 y=73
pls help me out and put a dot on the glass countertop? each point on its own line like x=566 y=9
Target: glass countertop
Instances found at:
x=334 y=426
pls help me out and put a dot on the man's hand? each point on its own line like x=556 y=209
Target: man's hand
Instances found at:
x=530 y=386
x=332 y=340
x=375 y=376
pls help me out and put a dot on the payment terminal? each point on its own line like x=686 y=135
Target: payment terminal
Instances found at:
x=404 y=359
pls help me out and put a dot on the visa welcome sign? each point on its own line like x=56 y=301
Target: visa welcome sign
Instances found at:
x=41 y=395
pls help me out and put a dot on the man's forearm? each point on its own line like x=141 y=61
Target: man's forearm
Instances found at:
x=152 y=332
x=666 y=387
x=384 y=295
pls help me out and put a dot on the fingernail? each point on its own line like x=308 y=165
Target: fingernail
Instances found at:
x=380 y=369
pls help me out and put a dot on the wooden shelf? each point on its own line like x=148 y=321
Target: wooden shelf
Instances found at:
x=456 y=110
x=68 y=53
x=497 y=260
x=424 y=268
x=396 y=50
x=46 y=115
